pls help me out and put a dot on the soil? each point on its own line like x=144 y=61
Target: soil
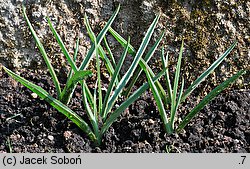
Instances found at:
x=29 y=124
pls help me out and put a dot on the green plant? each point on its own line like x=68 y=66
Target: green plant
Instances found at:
x=101 y=112
x=171 y=148
x=8 y=142
x=143 y=61
x=175 y=100
x=65 y=95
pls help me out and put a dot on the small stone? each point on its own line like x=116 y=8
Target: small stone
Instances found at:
x=51 y=138
x=67 y=134
x=150 y=121
x=236 y=141
x=18 y=136
x=35 y=145
x=34 y=95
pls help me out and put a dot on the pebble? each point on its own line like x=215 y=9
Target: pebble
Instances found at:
x=35 y=145
x=34 y=95
x=67 y=134
x=150 y=121
x=50 y=137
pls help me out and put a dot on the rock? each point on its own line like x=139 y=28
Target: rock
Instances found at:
x=67 y=134
x=34 y=95
x=150 y=121
x=50 y=137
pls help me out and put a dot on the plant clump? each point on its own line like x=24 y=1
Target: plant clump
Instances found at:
x=100 y=105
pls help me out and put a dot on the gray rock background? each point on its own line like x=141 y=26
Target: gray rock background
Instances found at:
x=209 y=28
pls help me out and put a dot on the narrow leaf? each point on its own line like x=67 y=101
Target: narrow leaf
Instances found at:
x=95 y=98
x=122 y=41
x=109 y=52
x=207 y=72
x=131 y=50
x=62 y=46
x=112 y=82
x=99 y=39
x=176 y=82
x=76 y=49
x=92 y=117
x=87 y=59
x=98 y=77
x=44 y=54
x=173 y=114
x=146 y=59
x=89 y=96
x=75 y=55
x=165 y=68
x=55 y=103
x=159 y=102
x=177 y=75
x=208 y=98
x=79 y=75
x=100 y=49
x=66 y=96
x=114 y=115
x=133 y=66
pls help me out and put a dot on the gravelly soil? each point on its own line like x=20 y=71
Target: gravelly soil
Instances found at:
x=222 y=126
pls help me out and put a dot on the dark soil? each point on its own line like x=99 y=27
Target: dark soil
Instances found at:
x=29 y=124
